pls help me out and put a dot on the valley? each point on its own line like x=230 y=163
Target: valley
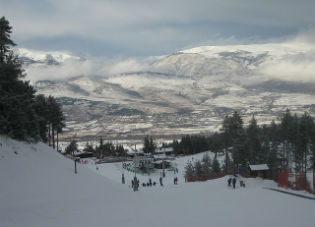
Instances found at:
x=187 y=92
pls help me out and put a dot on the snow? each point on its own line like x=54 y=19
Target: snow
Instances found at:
x=259 y=167
x=39 y=188
x=276 y=49
x=37 y=55
x=295 y=99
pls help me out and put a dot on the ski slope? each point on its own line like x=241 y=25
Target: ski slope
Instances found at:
x=39 y=188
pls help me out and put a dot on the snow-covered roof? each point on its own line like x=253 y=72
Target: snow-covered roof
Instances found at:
x=156 y=156
x=164 y=150
x=134 y=152
x=259 y=167
x=160 y=162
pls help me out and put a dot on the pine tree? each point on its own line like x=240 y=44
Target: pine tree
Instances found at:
x=305 y=134
x=216 y=165
x=72 y=147
x=206 y=163
x=100 y=150
x=119 y=150
x=232 y=128
x=148 y=145
x=198 y=168
x=88 y=148
x=22 y=115
x=177 y=148
x=152 y=146
x=228 y=165
x=41 y=109
x=5 y=40
x=189 y=169
x=17 y=116
x=285 y=128
x=253 y=142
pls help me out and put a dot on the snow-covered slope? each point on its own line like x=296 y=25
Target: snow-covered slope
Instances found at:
x=39 y=188
x=44 y=57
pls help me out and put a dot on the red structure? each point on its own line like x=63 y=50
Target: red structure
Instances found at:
x=283 y=179
x=295 y=181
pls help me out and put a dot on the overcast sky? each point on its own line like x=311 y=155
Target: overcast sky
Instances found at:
x=144 y=28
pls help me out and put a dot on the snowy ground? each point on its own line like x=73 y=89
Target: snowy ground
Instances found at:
x=39 y=188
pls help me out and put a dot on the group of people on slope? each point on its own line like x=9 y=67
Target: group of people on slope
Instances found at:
x=152 y=183
x=233 y=182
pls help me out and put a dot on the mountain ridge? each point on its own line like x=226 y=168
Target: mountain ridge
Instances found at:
x=206 y=83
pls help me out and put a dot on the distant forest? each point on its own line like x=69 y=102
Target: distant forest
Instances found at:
x=287 y=145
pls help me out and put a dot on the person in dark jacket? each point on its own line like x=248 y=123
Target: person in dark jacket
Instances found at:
x=234 y=182
x=229 y=181
x=161 y=181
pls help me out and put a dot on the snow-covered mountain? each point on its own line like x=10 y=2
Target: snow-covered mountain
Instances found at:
x=28 y=57
x=186 y=92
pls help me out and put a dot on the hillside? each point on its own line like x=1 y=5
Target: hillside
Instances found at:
x=39 y=188
x=185 y=92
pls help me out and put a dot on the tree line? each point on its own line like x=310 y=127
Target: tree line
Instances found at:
x=100 y=151
x=206 y=166
x=289 y=144
x=23 y=114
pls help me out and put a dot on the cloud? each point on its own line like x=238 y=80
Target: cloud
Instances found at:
x=87 y=67
x=298 y=67
x=290 y=60
x=142 y=27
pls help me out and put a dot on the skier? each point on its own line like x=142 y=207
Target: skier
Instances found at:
x=229 y=182
x=174 y=180
x=161 y=181
x=150 y=181
x=234 y=182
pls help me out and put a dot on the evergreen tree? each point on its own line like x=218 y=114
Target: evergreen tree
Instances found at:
x=5 y=40
x=119 y=150
x=240 y=151
x=148 y=145
x=304 y=136
x=22 y=114
x=41 y=109
x=253 y=143
x=198 y=168
x=228 y=165
x=206 y=163
x=216 y=165
x=189 y=169
x=232 y=128
x=17 y=116
x=72 y=148
x=88 y=148
x=285 y=131
x=177 y=149
x=152 y=146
